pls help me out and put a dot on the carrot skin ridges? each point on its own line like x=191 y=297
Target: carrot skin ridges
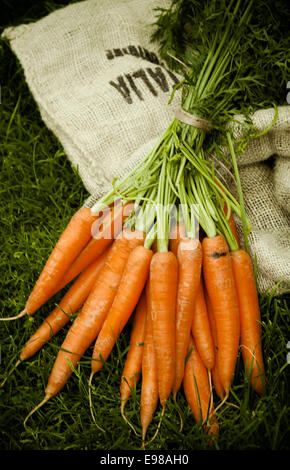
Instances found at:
x=103 y=234
x=70 y=304
x=219 y=389
x=189 y=256
x=197 y=390
x=220 y=285
x=196 y=385
x=133 y=364
x=163 y=293
x=149 y=387
x=201 y=330
x=127 y=296
x=73 y=239
x=250 y=318
x=89 y=321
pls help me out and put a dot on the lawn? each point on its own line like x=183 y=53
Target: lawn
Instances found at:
x=39 y=193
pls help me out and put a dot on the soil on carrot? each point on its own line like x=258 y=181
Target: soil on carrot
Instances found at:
x=39 y=193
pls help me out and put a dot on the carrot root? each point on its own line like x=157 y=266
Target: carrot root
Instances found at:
x=250 y=319
x=221 y=288
x=45 y=400
x=211 y=390
x=179 y=412
x=20 y=315
x=149 y=389
x=157 y=430
x=91 y=403
x=221 y=403
x=123 y=404
x=163 y=294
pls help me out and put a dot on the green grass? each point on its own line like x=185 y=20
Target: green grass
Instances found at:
x=39 y=192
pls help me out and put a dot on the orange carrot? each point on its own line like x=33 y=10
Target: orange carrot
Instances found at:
x=177 y=232
x=163 y=293
x=73 y=239
x=149 y=387
x=127 y=296
x=133 y=364
x=104 y=233
x=214 y=371
x=70 y=303
x=197 y=390
x=201 y=330
x=220 y=284
x=89 y=321
x=60 y=316
x=189 y=255
x=250 y=318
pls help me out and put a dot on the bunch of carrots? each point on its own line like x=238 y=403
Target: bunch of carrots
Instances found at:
x=194 y=302
x=161 y=247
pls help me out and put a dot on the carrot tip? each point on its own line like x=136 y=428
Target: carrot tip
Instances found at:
x=21 y=314
x=126 y=419
x=91 y=402
x=158 y=427
x=178 y=411
x=46 y=398
x=144 y=432
x=210 y=386
x=143 y=444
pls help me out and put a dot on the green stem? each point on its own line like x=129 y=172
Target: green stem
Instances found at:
x=184 y=209
x=162 y=243
x=218 y=51
x=150 y=237
x=146 y=215
x=224 y=229
x=204 y=190
x=219 y=187
x=240 y=191
x=204 y=218
x=128 y=183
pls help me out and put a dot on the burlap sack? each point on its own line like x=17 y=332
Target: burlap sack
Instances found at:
x=98 y=83
x=103 y=91
x=264 y=170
